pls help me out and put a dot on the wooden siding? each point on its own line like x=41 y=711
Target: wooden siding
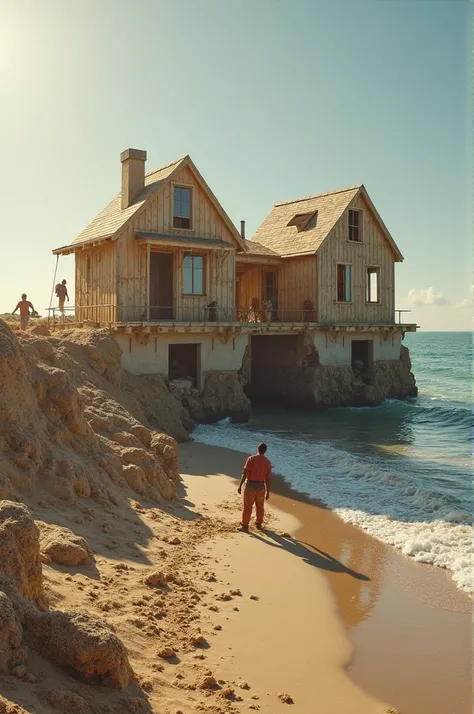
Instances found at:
x=156 y=216
x=95 y=297
x=373 y=251
x=296 y=282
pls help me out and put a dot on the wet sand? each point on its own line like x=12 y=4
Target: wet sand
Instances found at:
x=409 y=626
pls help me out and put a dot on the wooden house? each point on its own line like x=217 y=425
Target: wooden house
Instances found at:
x=186 y=294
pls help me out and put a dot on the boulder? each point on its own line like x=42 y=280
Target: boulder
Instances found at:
x=81 y=643
x=19 y=550
x=12 y=653
x=63 y=546
x=222 y=396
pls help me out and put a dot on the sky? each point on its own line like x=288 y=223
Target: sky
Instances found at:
x=273 y=100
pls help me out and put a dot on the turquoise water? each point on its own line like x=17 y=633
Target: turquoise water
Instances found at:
x=402 y=470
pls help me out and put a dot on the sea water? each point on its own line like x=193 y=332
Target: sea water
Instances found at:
x=402 y=471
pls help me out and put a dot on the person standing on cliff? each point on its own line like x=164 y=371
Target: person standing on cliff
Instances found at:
x=256 y=475
x=24 y=307
x=61 y=294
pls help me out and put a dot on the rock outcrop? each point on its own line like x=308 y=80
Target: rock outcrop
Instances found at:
x=20 y=551
x=73 y=423
x=80 y=643
x=222 y=396
x=311 y=385
x=77 y=641
x=62 y=546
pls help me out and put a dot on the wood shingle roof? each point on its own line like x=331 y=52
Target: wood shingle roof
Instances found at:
x=300 y=226
x=286 y=240
x=113 y=217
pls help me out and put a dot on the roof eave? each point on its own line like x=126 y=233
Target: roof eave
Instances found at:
x=72 y=247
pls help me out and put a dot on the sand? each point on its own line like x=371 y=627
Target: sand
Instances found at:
x=220 y=621
x=407 y=627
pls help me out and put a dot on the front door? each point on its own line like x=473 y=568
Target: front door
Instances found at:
x=161 y=286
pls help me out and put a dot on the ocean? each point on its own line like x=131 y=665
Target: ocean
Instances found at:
x=402 y=471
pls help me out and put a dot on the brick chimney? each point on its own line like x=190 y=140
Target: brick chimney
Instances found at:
x=133 y=175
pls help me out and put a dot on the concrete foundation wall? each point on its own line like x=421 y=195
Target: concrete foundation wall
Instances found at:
x=335 y=348
x=148 y=354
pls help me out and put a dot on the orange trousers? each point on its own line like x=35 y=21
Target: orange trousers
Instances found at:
x=251 y=496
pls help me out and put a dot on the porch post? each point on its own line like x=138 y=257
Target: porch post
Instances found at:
x=148 y=251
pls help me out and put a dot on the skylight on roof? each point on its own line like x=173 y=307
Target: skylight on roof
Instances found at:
x=304 y=221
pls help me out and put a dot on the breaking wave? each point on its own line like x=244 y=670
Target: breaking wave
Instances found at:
x=368 y=491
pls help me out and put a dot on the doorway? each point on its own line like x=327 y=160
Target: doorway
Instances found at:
x=184 y=362
x=161 y=286
x=362 y=355
x=270 y=290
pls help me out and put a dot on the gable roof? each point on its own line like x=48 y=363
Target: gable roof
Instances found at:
x=113 y=218
x=279 y=232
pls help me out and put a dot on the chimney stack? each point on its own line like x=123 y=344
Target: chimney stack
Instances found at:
x=242 y=229
x=133 y=175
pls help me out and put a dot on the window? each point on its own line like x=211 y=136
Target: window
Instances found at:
x=355 y=226
x=312 y=222
x=344 y=283
x=181 y=207
x=193 y=275
x=304 y=221
x=372 y=285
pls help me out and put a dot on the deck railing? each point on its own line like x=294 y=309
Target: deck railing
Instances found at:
x=184 y=314
x=399 y=312
x=196 y=313
x=212 y=313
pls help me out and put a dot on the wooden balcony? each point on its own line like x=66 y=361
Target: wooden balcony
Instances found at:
x=208 y=318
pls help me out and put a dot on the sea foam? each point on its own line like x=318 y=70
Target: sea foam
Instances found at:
x=360 y=491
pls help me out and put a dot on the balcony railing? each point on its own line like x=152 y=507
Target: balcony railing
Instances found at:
x=194 y=313
x=197 y=313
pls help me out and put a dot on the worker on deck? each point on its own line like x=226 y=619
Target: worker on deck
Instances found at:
x=24 y=307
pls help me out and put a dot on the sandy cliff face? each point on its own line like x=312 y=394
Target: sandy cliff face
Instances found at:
x=72 y=423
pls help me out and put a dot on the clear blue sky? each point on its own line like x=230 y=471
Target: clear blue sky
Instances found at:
x=273 y=99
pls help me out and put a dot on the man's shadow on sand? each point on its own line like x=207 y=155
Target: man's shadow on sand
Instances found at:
x=310 y=554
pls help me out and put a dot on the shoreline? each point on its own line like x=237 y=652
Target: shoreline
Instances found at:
x=407 y=623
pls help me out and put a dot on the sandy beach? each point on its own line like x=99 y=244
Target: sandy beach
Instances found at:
x=309 y=613
x=406 y=628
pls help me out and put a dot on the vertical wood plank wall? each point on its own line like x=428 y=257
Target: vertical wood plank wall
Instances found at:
x=296 y=282
x=95 y=297
x=373 y=251
x=157 y=217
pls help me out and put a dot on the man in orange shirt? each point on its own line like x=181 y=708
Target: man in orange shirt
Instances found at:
x=256 y=474
x=24 y=307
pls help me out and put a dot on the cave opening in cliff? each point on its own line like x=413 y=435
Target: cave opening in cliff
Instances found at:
x=273 y=363
x=184 y=362
x=362 y=355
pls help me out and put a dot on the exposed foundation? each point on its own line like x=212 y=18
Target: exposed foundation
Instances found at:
x=292 y=371
x=219 y=375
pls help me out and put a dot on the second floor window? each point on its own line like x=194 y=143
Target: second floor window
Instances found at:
x=181 y=207
x=193 y=275
x=372 y=285
x=344 y=291
x=355 y=226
